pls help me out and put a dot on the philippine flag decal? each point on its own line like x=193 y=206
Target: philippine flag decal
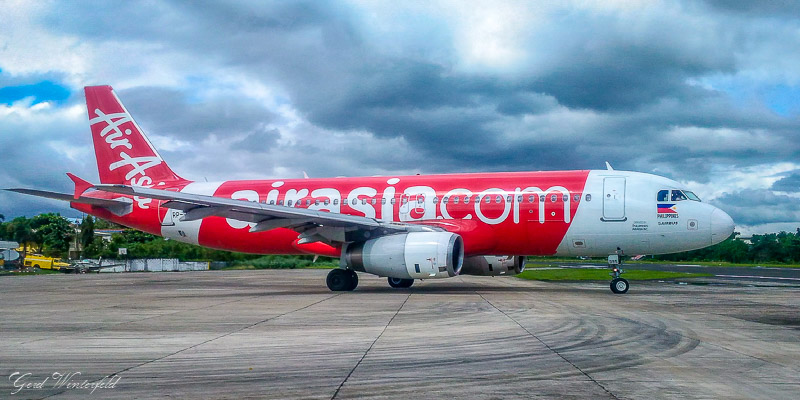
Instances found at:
x=666 y=208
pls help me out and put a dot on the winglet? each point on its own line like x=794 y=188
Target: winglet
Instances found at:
x=608 y=166
x=81 y=186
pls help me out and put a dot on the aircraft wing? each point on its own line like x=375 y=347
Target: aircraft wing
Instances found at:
x=117 y=206
x=312 y=225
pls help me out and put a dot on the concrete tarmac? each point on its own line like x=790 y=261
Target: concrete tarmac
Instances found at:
x=282 y=334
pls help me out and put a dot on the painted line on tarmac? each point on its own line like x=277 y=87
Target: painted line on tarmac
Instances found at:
x=758 y=277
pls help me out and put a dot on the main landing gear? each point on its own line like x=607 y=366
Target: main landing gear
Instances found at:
x=342 y=280
x=618 y=285
x=399 y=283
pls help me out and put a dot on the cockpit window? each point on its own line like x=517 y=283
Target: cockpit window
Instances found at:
x=677 y=195
x=663 y=195
x=691 y=195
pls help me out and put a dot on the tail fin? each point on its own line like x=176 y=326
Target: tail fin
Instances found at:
x=124 y=155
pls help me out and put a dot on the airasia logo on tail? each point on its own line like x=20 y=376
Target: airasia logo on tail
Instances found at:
x=110 y=130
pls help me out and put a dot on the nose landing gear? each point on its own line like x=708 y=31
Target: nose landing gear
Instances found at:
x=618 y=284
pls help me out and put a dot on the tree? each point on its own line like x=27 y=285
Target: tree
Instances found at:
x=54 y=232
x=87 y=231
x=19 y=230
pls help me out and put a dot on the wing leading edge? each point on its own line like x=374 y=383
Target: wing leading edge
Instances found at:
x=312 y=225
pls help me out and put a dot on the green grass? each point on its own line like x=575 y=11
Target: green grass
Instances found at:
x=590 y=274
x=252 y=267
x=282 y=262
x=602 y=261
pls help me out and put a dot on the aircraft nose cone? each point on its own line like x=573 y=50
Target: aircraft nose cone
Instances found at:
x=721 y=226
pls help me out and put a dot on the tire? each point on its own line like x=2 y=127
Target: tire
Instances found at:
x=619 y=286
x=399 y=283
x=338 y=280
x=353 y=280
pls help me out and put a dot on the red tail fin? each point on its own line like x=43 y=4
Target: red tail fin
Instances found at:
x=124 y=155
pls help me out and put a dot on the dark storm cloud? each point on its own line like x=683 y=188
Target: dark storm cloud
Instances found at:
x=790 y=183
x=258 y=141
x=773 y=8
x=633 y=86
x=171 y=113
x=753 y=207
x=341 y=80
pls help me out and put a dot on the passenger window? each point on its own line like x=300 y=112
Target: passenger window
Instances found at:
x=530 y=199
x=272 y=202
x=354 y=201
x=541 y=199
x=289 y=203
x=677 y=195
x=316 y=202
x=498 y=199
x=509 y=198
x=393 y=201
x=588 y=197
x=466 y=199
x=364 y=201
x=308 y=202
x=335 y=201
x=383 y=200
x=435 y=200
x=326 y=202
x=565 y=198
x=576 y=198
x=444 y=199
x=455 y=200
x=519 y=199
x=663 y=195
x=280 y=202
x=488 y=199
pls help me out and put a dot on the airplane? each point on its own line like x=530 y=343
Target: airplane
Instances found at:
x=402 y=228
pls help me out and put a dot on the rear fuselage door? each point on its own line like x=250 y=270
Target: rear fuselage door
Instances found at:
x=614 y=198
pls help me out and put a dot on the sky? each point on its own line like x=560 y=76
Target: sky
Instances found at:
x=703 y=92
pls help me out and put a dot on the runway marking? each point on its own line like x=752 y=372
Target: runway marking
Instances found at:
x=533 y=335
x=758 y=277
x=336 y=393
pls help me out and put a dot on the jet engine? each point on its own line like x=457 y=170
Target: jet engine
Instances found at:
x=414 y=255
x=493 y=265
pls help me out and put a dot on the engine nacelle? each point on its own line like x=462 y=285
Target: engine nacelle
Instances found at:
x=414 y=255
x=493 y=265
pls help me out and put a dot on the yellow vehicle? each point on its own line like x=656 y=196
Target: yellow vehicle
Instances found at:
x=42 y=262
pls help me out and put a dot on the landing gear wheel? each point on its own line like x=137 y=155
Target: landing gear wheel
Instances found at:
x=341 y=280
x=399 y=283
x=353 y=280
x=619 y=285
